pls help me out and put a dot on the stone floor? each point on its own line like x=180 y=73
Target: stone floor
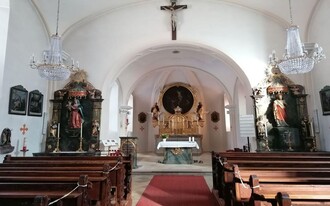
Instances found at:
x=150 y=165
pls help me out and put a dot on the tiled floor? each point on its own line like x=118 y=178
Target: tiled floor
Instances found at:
x=149 y=165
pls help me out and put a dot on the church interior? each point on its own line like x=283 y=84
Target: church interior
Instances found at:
x=168 y=87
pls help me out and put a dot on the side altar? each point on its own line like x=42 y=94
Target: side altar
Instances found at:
x=75 y=122
x=282 y=123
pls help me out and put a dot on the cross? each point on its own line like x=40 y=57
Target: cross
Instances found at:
x=173 y=9
x=23 y=129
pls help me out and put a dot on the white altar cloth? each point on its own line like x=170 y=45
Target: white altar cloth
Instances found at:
x=177 y=144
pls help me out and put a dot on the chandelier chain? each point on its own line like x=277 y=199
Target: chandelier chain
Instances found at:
x=58 y=15
x=290 y=9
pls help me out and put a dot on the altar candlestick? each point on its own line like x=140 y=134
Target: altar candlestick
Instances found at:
x=58 y=130
x=24 y=144
x=266 y=134
x=81 y=129
x=193 y=139
x=312 y=129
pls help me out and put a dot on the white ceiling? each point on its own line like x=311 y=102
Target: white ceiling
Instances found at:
x=303 y=10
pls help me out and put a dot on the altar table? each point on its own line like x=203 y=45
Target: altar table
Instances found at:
x=178 y=152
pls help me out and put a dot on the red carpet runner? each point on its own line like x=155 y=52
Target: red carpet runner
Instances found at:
x=177 y=190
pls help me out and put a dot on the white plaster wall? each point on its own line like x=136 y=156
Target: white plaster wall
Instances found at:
x=319 y=33
x=4 y=19
x=24 y=38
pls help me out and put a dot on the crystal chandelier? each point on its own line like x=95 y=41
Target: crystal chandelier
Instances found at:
x=297 y=59
x=52 y=66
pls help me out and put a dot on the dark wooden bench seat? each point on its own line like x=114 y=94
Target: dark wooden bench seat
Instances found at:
x=271 y=154
x=16 y=192
x=288 y=169
x=120 y=177
x=299 y=194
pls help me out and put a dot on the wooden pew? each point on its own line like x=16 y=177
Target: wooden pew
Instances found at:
x=23 y=191
x=126 y=160
x=122 y=179
x=116 y=176
x=41 y=200
x=223 y=171
x=98 y=193
x=300 y=194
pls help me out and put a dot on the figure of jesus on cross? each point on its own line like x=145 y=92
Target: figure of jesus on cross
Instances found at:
x=173 y=9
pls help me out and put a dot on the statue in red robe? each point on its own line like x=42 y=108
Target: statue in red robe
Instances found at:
x=76 y=115
x=280 y=111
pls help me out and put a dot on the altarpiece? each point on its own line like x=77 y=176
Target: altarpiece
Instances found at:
x=76 y=117
x=281 y=116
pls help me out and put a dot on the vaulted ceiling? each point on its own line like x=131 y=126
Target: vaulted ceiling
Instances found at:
x=74 y=12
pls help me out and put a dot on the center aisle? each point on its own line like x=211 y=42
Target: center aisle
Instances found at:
x=148 y=166
x=168 y=190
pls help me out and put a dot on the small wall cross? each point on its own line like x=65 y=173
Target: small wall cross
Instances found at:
x=24 y=129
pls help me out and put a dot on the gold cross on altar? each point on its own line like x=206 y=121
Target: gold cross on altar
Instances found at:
x=173 y=9
x=24 y=129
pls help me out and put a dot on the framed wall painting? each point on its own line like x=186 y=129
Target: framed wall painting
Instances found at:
x=35 y=103
x=142 y=117
x=178 y=95
x=325 y=100
x=17 y=100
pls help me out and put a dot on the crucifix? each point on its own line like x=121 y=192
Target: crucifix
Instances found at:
x=173 y=9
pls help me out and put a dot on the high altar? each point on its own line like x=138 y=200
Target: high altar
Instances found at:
x=178 y=114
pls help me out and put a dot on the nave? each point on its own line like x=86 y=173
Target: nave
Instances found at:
x=148 y=166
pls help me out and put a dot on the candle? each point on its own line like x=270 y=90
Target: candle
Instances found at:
x=266 y=130
x=81 y=129
x=24 y=144
x=189 y=139
x=58 y=130
x=193 y=139
x=312 y=128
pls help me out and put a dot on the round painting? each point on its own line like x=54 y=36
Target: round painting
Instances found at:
x=178 y=96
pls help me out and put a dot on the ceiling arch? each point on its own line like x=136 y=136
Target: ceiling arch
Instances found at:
x=153 y=63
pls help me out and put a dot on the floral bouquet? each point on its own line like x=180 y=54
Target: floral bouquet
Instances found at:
x=164 y=136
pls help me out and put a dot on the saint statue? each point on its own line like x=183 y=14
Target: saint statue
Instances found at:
x=279 y=108
x=155 y=112
x=199 y=111
x=53 y=129
x=95 y=128
x=261 y=126
x=76 y=114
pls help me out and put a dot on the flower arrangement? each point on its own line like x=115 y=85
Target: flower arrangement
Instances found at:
x=164 y=136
